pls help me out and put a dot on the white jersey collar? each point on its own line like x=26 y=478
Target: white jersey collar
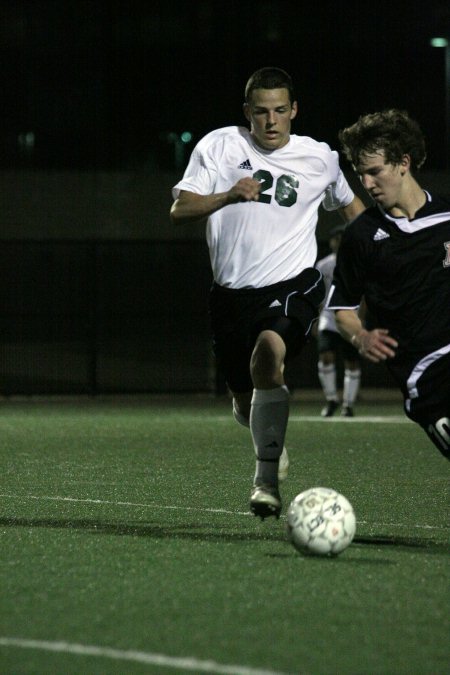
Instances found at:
x=409 y=226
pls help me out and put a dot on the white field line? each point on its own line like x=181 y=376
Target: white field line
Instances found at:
x=132 y=504
x=148 y=658
x=102 y=502
x=164 y=507
x=392 y=419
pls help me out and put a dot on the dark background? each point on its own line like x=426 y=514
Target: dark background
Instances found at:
x=99 y=292
x=101 y=83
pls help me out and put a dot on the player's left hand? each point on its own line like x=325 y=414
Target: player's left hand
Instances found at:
x=376 y=345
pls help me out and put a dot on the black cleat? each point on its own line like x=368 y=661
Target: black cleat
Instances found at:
x=265 y=501
x=347 y=411
x=330 y=409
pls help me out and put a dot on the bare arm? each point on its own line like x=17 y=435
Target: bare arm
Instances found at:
x=352 y=210
x=376 y=345
x=191 y=207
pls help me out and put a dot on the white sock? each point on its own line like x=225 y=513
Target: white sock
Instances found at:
x=327 y=378
x=352 y=380
x=269 y=415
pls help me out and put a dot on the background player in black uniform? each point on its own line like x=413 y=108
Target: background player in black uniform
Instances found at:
x=397 y=254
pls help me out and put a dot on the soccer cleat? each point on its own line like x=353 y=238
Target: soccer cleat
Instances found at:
x=347 y=411
x=265 y=501
x=283 y=466
x=330 y=409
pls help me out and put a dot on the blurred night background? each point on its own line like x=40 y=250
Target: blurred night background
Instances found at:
x=102 y=103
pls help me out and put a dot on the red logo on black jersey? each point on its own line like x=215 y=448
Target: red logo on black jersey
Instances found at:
x=446 y=262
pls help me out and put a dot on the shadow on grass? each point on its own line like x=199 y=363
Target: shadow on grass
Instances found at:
x=402 y=542
x=367 y=542
x=191 y=531
x=201 y=532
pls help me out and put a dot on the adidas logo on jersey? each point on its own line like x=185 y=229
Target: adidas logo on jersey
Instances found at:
x=275 y=303
x=380 y=234
x=246 y=165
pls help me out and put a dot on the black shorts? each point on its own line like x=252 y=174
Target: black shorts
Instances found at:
x=238 y=316
x=425 y=383
x=331 y=341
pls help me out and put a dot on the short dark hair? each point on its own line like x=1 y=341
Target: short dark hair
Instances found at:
x=269 y=78
x=392 y=131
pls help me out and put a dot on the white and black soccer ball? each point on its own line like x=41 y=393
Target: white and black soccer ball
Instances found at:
x=321 y=521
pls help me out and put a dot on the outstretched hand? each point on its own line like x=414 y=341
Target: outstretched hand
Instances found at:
x=375 y=345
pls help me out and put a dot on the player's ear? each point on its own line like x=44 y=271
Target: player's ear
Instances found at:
x=405 y=164
x=246 y=109
x=294 y=109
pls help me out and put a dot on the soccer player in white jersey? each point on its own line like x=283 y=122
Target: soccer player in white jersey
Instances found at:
x=397 y=255
x=260 y=190
x=332 y=346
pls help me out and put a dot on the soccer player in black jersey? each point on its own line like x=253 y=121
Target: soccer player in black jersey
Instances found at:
x=397 y=255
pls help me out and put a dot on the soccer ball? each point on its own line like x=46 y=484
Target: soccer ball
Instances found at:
x=320 y=521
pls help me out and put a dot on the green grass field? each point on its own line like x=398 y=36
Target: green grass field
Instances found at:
x=127 y=546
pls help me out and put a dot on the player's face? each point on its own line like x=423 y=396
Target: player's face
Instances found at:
x=270 y=113
x=383 y=181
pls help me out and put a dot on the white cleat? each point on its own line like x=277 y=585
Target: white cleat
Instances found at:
x=283 y=466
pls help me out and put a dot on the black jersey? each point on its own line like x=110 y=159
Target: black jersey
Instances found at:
x=402 y=268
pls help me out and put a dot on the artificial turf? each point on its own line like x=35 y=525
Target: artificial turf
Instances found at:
x=125 y=527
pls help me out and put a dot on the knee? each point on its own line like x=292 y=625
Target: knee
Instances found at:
x=327 y=358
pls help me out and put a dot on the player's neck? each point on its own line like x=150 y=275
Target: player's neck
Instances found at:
x=410 y=201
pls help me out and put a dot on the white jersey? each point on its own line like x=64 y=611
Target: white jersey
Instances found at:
x=258 y=243
x=326 y=265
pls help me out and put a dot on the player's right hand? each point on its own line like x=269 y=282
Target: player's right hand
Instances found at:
x=245 y=190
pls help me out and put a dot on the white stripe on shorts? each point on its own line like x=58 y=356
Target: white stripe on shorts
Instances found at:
x=421 y=367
